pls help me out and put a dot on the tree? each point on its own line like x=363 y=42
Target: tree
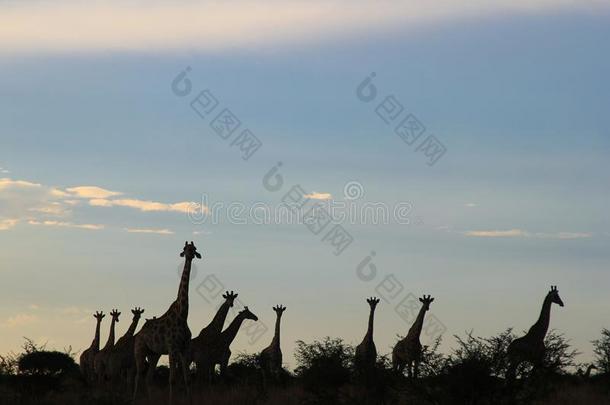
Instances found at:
x=601 y=349
x=49 y=363
x=324 y=364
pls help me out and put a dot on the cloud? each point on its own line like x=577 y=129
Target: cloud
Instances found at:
x=470 y=205
x=93 y=227
x=20 y=320
x=7 y=223
x=148 y=206
x=319 y=196
x=519 y=233
x=91 y=192
x=6 y=183
x=165 y=25
x=4 y=171
x=148 y=230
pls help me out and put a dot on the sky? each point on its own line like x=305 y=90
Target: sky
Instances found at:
x=108 y=163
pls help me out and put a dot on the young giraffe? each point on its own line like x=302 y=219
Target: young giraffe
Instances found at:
x=530 y=347
x=366 y=353
x=271 y=357
x=167 y=334
x=407 y=351
x=87 y=358
x=218 y=351
x=121 y=363
x=101 y=358
x=209 y=334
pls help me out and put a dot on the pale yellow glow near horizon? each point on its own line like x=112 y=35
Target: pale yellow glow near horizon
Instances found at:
x=67 y=26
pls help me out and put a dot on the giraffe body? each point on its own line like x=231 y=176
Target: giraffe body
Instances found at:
x=87 y=357
x=218 y=351
x=167 y=334
x=101 y=358
x=408 y=351
x=121 y=362
x=271 y=357
x=530 y=347
x=209 y=334
x=366 y=353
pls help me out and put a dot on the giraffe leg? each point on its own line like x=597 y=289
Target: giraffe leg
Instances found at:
x=153 y=359
x=185 y=373
x=409 y=369
x=415 y=369
x=140 y=359
x=173 y=358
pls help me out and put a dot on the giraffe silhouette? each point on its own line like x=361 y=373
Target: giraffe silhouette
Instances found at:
x=101 y=358
x=121 y=363
x=218 y=351
x=530 y=347
x=271 y=357
x=167 y=334
x=87 y=357
x=209 y=334
x=407 y=351
x=366 y=353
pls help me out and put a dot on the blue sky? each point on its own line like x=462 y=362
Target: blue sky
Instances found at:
x=519 y=201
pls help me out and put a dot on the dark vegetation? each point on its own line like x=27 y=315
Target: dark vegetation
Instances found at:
x=472 y=373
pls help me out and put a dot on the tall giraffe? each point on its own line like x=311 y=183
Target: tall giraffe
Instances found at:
x=366 y=353
x=101 y=358
x=209 y=334
x=530 y=347
x=87 y=357
x=121 y=363
x=407 y=351
x=271 y=357
x=218 y=352
x=167 y=334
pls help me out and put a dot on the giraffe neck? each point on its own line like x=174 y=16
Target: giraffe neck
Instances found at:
x=539 y=329
x=183 y=291
x=228 y=335
x=96 y=340
x=132 y=327
x=369 y=332
x=276 y=337
x=219 y=319
x=588 y=372
x=110 y=341
x=415 y=330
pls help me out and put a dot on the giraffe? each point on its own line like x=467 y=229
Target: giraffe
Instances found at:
x=271 y=357
x=366 y=353
x=167 y=334
x=407 y=351
x=100 y=361
x=530 y=347
x=218 y=351
x=121 y=363
x=87 y=357
x=210 y=333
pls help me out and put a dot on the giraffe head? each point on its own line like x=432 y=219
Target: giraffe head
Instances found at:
x=554 y=295
x=426 y=301
x=373 y=301
x=190 y=251
x=137 y=313
x=99 y=315
x=115 y=315
x=229 y=296
x=279 y=309
x=247 y=314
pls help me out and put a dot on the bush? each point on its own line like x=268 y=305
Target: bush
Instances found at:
x=47 y=363
x=324 y=364
x=601 y=349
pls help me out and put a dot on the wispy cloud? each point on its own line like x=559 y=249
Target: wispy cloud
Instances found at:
x=470 y=205
x=520 y=233
x=6 y=183
x=319 y=196
x=20 y=320
x=160 y=25
x=7 y=223
x=93 y=227
x=149 y=230
x=147 y=206
x=91 y=192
